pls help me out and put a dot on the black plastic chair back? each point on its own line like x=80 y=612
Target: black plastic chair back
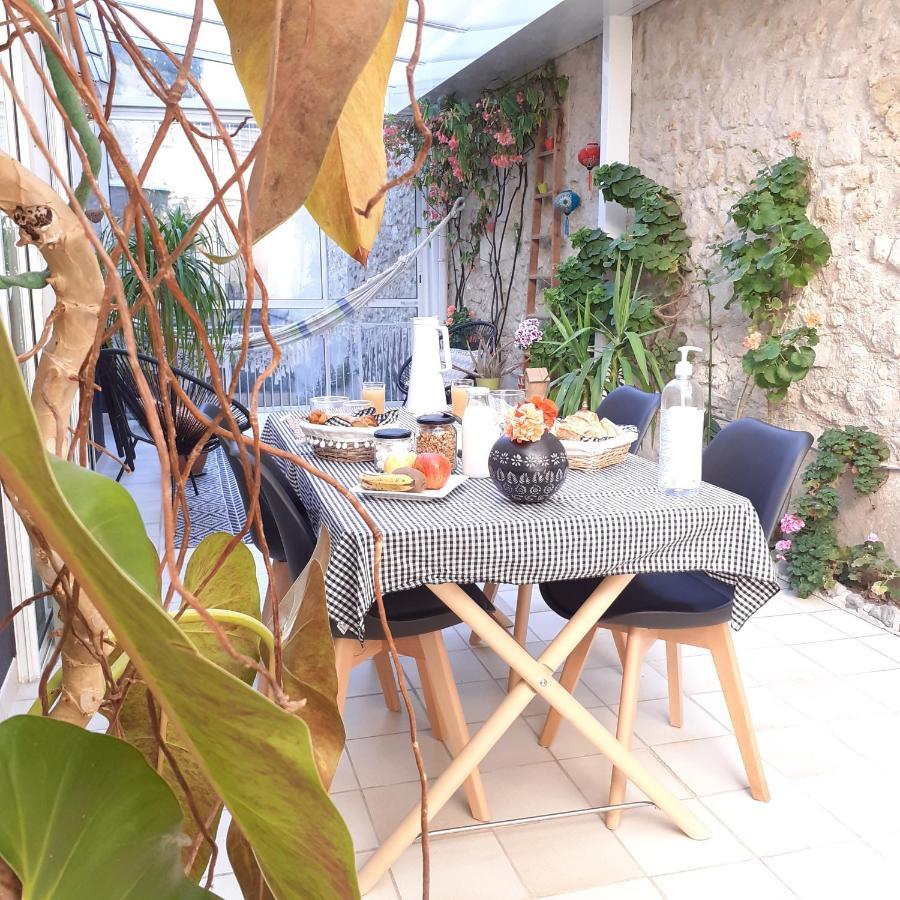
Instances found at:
x=467 y=335
x=758 y=461
x=626 y=405
x=120 y=389
x=269 y=525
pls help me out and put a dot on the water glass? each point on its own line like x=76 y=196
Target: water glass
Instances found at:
x=504 y=402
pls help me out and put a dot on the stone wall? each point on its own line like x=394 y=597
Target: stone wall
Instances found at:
x=717 y=85
x=581 y=124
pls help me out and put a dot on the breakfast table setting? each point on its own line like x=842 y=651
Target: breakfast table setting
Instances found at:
x=507 y=493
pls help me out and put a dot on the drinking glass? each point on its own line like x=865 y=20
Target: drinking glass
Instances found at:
x=504 y=402
x=373 y=394
x=459 y=395
x=329 y=403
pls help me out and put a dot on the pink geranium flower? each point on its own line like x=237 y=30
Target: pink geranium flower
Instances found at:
x=505 y=137
x=453 y=143
x=791 y=524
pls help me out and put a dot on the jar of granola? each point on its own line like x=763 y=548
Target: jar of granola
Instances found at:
x=437 y=434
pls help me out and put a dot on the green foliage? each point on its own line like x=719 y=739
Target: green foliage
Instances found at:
x=776 y=251
x=200 y=280
x=84 y=816
x=782 y=359
x=814 y=557
x=777 y=248
x=587 y=372
x=657 y=239
x=257 y=756
x=868 y=568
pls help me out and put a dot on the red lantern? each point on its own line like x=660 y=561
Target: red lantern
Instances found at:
x=589 y=156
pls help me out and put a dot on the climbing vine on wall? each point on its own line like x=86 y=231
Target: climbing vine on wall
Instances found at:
x=775 y=252
x=809 y=544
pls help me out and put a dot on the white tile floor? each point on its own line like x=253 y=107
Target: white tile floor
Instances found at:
x=824 y=688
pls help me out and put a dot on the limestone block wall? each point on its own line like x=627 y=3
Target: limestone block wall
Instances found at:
x=581 y=124
x=717 y=85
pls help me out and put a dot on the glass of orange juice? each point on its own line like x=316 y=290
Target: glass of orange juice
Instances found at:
x=459 y=396
x=373 y=394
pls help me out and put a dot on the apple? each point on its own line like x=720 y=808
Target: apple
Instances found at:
x=396 y=461
x=435 y=467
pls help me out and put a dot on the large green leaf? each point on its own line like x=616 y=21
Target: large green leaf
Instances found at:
x=218 y=583
x=309 y=672
x=257 y=755
x=84 y=816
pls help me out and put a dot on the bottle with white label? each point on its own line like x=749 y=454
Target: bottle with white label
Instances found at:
x=681 y=430
x=479 y=433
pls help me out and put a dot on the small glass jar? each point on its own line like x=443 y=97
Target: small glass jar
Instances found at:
x=437 y=435
x=392 y=440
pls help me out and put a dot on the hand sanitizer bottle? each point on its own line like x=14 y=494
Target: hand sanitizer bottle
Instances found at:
x=681 y=430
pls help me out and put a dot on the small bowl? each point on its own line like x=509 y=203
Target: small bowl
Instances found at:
x=329 y=403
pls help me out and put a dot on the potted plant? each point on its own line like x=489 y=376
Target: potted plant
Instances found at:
x=491 y=361
x=198 y=276
x=549 y=144
x=528 y=463
x=590 y=357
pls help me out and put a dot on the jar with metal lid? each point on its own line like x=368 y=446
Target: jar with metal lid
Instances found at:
x=392 y=440
x=437 y=434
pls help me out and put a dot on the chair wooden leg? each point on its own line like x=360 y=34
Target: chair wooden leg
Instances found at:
x=568 y=679
x=673 y=672
x=432 y=708
x=520 y=629
x=443 y=687
x=385 y=672
x=619 y=639
x=345 y=652
x=638 y=642
x=733 y=688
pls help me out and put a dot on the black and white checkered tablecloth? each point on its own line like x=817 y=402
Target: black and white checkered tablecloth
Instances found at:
x=600 y=523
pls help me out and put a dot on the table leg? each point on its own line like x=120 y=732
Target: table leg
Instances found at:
x=537 y=675
x=520 y=630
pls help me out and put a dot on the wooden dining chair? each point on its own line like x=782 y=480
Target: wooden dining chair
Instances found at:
x=416 y=618
x=624 y=405
x=747 y=457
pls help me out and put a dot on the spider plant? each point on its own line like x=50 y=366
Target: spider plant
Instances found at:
x=600 y=356
x=201 y=281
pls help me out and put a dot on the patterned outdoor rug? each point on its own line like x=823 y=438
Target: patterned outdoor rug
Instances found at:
x=218 y=506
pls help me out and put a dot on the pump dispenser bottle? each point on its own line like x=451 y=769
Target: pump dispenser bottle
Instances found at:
x=681 y=430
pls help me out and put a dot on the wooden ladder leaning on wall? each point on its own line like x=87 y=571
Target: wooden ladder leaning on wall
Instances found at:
x=546 y=222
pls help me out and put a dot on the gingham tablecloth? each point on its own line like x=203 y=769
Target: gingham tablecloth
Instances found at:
x=599 y=523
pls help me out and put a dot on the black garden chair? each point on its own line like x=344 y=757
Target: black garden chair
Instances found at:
x=467 y=335
x=123 y=400
x=626 y=405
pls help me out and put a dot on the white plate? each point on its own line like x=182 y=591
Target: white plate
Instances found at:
x=452 y=483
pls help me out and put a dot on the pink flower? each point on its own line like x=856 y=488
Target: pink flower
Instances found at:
x=791 y=524
x=451 y=310
x=505 y=160
x=520 y=98
x=752 y=341
x=872 y=538
x=390 y=130
x=486 y=116
x=453 y=143
x=505 y=137
x=442 y=138
x=454 y=167
x=782 y=545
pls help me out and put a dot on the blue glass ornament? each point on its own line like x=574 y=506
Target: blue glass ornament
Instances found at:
x=566 y=202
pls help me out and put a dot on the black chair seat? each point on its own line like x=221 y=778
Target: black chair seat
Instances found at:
x=418 y=611
x=652 y=600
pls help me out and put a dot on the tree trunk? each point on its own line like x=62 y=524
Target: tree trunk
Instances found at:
x=47 y=223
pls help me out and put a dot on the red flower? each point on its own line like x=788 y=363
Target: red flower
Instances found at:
x=547 y=407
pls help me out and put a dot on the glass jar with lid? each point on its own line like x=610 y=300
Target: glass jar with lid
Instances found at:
x=389 y=441
x=437 y=434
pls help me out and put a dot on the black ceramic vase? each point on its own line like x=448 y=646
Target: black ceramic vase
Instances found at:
x=530 y=472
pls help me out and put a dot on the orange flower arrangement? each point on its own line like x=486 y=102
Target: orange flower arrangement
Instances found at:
x=530 y=420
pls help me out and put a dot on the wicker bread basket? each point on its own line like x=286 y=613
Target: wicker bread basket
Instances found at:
x=594 y=455
x=336 y=442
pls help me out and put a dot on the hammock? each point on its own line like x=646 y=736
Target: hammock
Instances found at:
x=327 y=318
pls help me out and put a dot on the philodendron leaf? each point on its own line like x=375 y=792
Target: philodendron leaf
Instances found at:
x=355 y=167
x=297 y=72
x=257 y=756
x=115 y=521
x=84 y=816
x=233 y=586
x=309 y=675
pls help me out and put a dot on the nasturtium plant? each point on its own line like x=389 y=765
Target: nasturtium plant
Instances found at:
x=782 y=359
